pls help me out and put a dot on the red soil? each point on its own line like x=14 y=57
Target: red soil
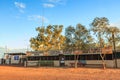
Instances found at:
x=48 y=73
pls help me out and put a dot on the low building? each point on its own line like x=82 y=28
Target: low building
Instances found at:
x=89 y=59
x=14 y=58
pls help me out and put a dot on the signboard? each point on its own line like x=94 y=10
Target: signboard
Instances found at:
x=45 y=54
x=107 y=50
x=28 y=54
x=78 y=52
x=34 y=53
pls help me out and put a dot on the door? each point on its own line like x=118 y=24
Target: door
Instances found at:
x=62 y=60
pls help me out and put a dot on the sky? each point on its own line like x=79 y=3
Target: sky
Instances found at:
x=19 y=18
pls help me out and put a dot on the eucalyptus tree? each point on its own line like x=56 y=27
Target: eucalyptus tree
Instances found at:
x=48 y=38
x=113 y=37
x=77 y=39
x=82 y=39
x=39 y=43
x=58 y=40
x=70 y=41
x=99 y=26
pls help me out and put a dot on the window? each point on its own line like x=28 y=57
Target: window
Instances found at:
x=82 y=57
x=16 y=57
x=108 y=57
x=89 y=57
x=55 y=58
x=67 y=57
x=95 y=57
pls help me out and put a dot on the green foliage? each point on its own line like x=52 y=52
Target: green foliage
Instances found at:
x=77 y=37
x=48 y=38
x=113 y=35
x=99 y=26
x=107 y=34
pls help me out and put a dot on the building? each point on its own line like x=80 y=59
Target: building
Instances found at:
x=14 y=58
x=89 y=59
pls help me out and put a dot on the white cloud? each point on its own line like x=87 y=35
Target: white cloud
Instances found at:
x=20 y=6
x=48 y=5
x=58 y=1
x=112 y=24
x=38 y=18
x=116 y=24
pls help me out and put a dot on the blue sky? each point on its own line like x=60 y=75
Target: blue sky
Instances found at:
x=19 y=18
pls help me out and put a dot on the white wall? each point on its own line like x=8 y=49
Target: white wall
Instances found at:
x=118 y=63
x=56 y=63
x=67 y=62
x=32 y=63
x=109 y=63
x=7 y=61
x=14 y=61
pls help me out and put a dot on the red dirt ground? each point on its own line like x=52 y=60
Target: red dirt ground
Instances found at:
x=48 y=73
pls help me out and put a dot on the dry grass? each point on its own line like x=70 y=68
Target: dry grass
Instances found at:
x=47 y=73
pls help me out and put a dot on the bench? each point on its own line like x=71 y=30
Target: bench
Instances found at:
x=94 y=65
x=78 y=64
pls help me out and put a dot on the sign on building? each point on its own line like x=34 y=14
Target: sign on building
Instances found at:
x=78 y=52
x=16 y=57
x=107 y=50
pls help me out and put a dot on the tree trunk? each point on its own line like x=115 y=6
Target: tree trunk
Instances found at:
x=104 y=65
x=75 y=61
x=114 y=49
x=103 y=61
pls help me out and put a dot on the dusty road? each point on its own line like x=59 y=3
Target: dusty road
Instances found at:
x=47 y=73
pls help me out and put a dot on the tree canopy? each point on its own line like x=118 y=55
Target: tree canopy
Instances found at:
x=48 y=38
x=52 y=37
